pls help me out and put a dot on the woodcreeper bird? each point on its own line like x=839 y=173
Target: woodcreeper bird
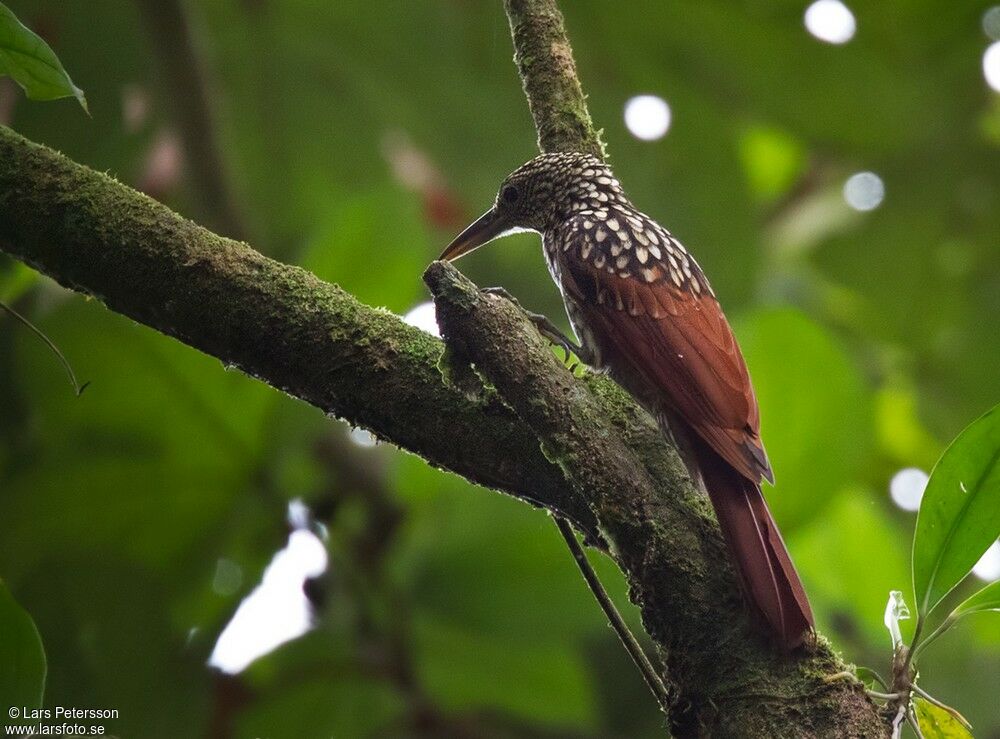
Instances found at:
x=644 y=312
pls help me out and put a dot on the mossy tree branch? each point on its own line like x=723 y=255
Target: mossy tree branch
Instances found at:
x=544 y=60
x=660 y=530
x=602 y=455
x=276 y=322
x=659 y=526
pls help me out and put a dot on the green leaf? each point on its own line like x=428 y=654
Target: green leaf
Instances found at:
x=960 y=512
x=936 y=723
x=849 y=590
x=22 y=659
x=461 y=670
x=787 y=351
x=324 y=705
x=870 y=677
x=987 y=599
x=32 y=63
x=772 y=160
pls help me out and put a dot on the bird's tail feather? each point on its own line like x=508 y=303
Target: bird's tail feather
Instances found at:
x=767 y=574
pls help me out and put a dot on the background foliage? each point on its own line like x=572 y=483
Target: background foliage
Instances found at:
x=357 y=137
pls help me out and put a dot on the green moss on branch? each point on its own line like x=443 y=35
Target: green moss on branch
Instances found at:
x=544 y=59
x=276 y=322
x=660 y=531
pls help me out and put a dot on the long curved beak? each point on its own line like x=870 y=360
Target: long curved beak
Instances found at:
x=482 y=231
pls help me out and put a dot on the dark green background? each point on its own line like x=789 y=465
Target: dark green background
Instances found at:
x=873 y=339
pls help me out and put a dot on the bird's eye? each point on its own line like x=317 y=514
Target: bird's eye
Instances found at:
x=510 y=194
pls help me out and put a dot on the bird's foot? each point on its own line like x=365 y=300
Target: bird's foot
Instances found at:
x=545 y=327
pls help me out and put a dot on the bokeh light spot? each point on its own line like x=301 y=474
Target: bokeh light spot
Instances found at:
x=991 y=65
x=830 y=21
x=423 y=317
x=277 y=610
x=864 y=191
x=988 y=566
x=363 y=438
x=647 y=117
x=907 y=488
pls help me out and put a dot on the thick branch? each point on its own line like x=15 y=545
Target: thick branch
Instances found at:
x=317 y=343
x=545 y=60
x=660 y=529
x=278 y=323
x=658 y=524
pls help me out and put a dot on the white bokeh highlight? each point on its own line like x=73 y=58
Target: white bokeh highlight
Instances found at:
x=988 y=566
x=907 y=488
x=864 y=191
x=830 y=21
x=647 y=117
x=991 y=65
x=363 y=438
x=423 y=317
x=277 y=610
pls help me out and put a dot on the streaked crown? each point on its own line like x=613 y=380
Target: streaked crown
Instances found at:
x=550 y=188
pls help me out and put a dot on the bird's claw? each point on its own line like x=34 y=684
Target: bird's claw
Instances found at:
x=502 y=292
x=545 y=327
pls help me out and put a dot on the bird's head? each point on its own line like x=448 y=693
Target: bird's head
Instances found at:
x=538 y=195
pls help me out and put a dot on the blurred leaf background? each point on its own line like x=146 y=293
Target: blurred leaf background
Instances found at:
x=355 y=139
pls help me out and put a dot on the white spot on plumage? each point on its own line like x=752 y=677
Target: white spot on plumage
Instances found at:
x=585 y=249
x=621 y=262
x=649 y=275
x=654 y=238
x=641 y=238
x=616 y=249
x=600 y=235
x=641 y=254
x=599 y=261
x=654 y=252
x=613 y=224
x=588 y=225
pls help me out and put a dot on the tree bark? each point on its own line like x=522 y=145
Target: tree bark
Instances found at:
x=275 y=322
x=578 y=446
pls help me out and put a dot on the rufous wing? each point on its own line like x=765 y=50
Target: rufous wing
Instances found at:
x=678 y=339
